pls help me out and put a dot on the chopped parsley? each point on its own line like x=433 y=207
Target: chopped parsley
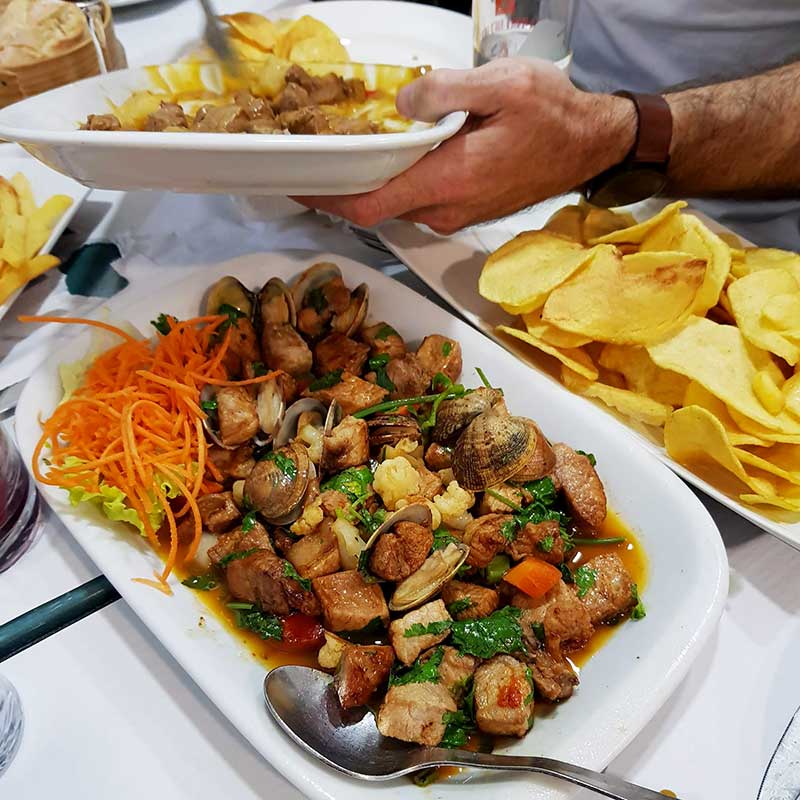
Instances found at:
x=585 y=578
x=248 y=521
x=442 y=537
x=420 y=671
x=248 y=617
x=232 y=313
x=427 y=629
x=283 y=463
x=290 y=572
x=258 y=369
x=542 y=508
x=457 y=606
x=385 y=331
x=546 y=545
x=590 y=456
x=459 y=727
x=162 y=323
x=538 y=631
x=566 y=573
x=496 y=568
x=543 y=491
x=317 y=300
x=353 y=482
x=363 y=567
x=500 y=632
x=326 y=381
x=209 y=406
x=529 y=678
x=236 y=555
x=509 y=530
x=202 y=583
x=378 y=365
x=447 y=348
x=638 y=610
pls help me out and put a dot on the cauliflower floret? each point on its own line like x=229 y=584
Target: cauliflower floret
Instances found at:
x=407 y=448
x=330 y=654
x=309 y=432
x=309 y=520
x=436 y=517
x=395 y=479
x=454 y=506
x=350 y=542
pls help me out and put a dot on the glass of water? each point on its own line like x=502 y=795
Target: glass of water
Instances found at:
x=524 y=28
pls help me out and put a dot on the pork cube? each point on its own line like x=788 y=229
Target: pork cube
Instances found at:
x=352 y=393
x=401 y=551
x=415 y=713
x=284 y=348
x=362 y=670
x=317 y=553
x=348 y=602
x=218 y=514
x=503 y=697
x=581 y=486
x=409 y=647
x=383 y=338
x=611 y=595
x=168 y=115
x=542 y=540
x=468 y=600
x=514 y=494
x=347 y=445
x=553 y=677
x=485 y=539
x=239 y=541
x=430 y=484
x=333 y=501
x=408 y=375
x=439 y=457
x=237 y=415
x=439 y=354
x=455 y=669
x=236 y=464
x=337 y=351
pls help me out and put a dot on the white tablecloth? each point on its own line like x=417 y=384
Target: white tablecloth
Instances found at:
x=110 y=715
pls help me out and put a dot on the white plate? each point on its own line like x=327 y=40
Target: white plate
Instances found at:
x=623 y=685
x=451 y=266
x=45 y=182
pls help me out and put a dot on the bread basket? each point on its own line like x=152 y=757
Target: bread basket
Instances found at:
x=24 y=80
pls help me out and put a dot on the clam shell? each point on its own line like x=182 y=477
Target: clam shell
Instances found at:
x=391 y=428
x=454 y=415
x=350 y=320
x=229 y=291
x=415 y=512
x=493 y=449
x=438 y=569
x=271 y=407
x=315 y=276
x=276 y=304
x=207 y=393
x=541 y=462
x=288 y=427
x=279 y=497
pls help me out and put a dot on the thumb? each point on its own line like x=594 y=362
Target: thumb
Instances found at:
x=441 y=91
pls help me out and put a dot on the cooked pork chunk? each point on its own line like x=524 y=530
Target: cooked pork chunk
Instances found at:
x=612 y=592
x=236 y=464
x=316 y=553
x=254 y=107
x=383 y=338
x=553 y=677
x=351 y=393
x=409 y=647
x=347 y=445
x=168 y=115
x=239 y=541
x=415 y=712
x=484 y=537
x=408 y=375
x=581 y=486
x=348 y=602
x=482 y=600
x=430 y=484
x=438 y=457
x=261 y=578
x=243 y=349
x=503 y=697
x=440 y=354
x=236 y=414
x=228 y=119
x=362 y=670
x=292 y=98
x=333 y=501
x=542 y=540
x=455 y=669
x=337 y=351
x=102 y=122
x=401 y=551
x=284 y=348
x=514 y=494
x=218 y=513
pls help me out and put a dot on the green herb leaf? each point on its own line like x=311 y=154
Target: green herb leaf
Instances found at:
x=484 y=379
x=538 y=631
x=543 y=491
x=546 y=545
x=428 y=629
x=267 y=626
x=496 y=568
x=378 y=365
x=232 y=313
x=509 y=530
x=209 y=406
x=503 y=499
x=585 y=578
x=258 y=369
x=590 y=456
x=420 y=671
x=282 y=462
x=459 y=727
x=385 y=331
x=353 y=482
x=529 y=678
x=566 y=573
x=639 y=609
x=317 y=300
x=162 y=324
x=202 y=583
x=363 y=567
x=248 y=521
x=381 y=360
x=442 y=537
x=425 y=777
x=447 y=348
x=290 y=572
x=457 y=606
x=607 y=540
x=235 y=556
x=326 y=381
x=500 y=632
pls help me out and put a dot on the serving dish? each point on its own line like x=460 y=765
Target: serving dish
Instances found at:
x=626 y=682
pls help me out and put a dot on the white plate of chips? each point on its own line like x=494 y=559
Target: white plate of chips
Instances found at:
x=716 y=395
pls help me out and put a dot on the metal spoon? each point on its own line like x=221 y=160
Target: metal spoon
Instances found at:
x=305 y=705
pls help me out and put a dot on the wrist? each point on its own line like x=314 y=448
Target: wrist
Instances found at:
x=611 y=134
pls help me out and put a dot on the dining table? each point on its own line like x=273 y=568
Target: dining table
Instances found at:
x=110 y=714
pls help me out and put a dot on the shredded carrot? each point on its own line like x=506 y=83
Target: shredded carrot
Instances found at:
x=136 y=423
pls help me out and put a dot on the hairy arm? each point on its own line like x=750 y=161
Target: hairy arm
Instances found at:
x=739 y=136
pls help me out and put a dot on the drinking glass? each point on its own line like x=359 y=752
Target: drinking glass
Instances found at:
x=525 y=28
x=11 y=723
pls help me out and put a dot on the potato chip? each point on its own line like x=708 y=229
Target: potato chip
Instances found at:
x=135 y=109
x=748 y=297
x=697 y=395
x=778 y=501
x=643 y=376
x=245 y=49
x=611 y=303
x=254 y=28
x=319 y=48
x=782 y=311
x=758 y=258
x=567 y=221
x=635 y=234
x=687 y=233
x=719 y=358
x=791 y=394
x=603 y=221
x=754 y=429
x=768 y=391
x=626 y=402
x=304 y=28
x=549 y=333
x=25 y=200
x=13 y=249
x=770 y=465
x=524 y=271
x=8 y=200
x=574 y=358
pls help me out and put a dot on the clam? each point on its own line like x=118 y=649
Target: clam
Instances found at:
x=541 y=462
x=454 y=415
x=350 y=320
x=493 y=449
x=229 y=291
x=210 y=421
x=278 y=484
x=288 y=427
x=414 y=512
x=316 y=276
x=440 y=567
x=271 y=407
x=391 y=428
x=276 y=304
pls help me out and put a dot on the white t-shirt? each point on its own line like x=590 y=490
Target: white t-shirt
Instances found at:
x=653 y=45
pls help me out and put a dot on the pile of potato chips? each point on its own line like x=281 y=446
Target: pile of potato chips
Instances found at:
x=24 y=229
x=694 y=340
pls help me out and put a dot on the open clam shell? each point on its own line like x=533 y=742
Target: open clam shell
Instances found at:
x=493 y=449
x=210 y=421
x=288 y=427
x=315 y=276
x=278 y=484
x=391 y=428
x=454 y=415
x=229 y=291
x=415 y=512
x=271 y=408
x=440 y=567
x=351 y=319
x=276 y=304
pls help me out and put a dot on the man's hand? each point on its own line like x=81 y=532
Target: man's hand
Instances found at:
x=530 y=135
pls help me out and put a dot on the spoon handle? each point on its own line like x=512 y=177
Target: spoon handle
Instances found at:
x=600 y=782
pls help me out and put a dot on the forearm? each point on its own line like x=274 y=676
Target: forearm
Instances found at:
x=740 y=136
